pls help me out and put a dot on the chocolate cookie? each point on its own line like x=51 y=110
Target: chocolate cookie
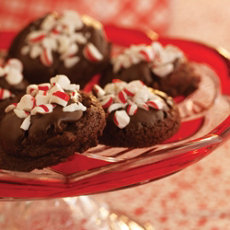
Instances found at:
x=61 y=44
x=163 y=68
x=50 y=123
x=138 y=116
x=12 y=84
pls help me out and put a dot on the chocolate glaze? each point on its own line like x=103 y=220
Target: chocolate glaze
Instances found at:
x=183 y=80
x=58 y=134
x=35 y=72
x=43 y=128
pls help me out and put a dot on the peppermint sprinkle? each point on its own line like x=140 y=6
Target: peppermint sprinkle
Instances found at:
x=43 y=98
x=60 y=33
x=124 y=100
x=160 y=59
x=12 y=71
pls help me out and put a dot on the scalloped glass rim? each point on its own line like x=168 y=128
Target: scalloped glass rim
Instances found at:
x=95 y=176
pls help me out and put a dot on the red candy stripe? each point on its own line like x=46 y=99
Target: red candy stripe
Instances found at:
x=44 y=88
x=45 y=108
x=34 y=102
x=107 y=103
x=62 y=95
x=89 y=54
x=31 y=90
x=38 y=38
x=116 y=80
x=55 y=31
x=115 y=120
x=146 y=55
x=122 y=96
x=152 y=104
x=45 y=58
x=131 y=109
x=129 y=93
x=1 y=93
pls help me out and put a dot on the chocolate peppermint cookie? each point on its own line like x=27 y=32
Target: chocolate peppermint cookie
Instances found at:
x=62 y=43
x=51 y=122
x=12 y=84
x=138 y=116
x=164 y=68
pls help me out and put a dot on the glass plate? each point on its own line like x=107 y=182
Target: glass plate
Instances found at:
x=205 y=125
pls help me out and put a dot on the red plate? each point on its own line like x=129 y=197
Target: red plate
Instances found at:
x=102 y=168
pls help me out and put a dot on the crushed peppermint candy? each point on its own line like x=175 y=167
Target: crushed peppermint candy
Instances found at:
x=160 y=59
x=43 y=98
x=124 y=99
x=60 y=33
x=12 y=71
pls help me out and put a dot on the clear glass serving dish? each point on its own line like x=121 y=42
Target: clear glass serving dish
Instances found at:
x=205 y=125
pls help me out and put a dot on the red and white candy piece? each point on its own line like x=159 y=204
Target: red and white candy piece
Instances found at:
x=45 y=108
x=55 y=88
x=133 y=87
x=26 y=123
x=98 y=91
x=44 y=86
x=27 y=103
x=36 y=36
x=60 y=98
x=74 y=96
x=128 y=92
x=21 y=113
x=147 y=54
x=92 y=53
x=42 y=99
x=122 y=96
x=132 y=109
x=121 y=119
x=46 y=57
x=56 y=30
x=4 y=94
x=74 y=107
x=32 y=89
x=106 y=102
x=61 y=80
x=156 y=104
x=115 y=106
x=10 y=107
